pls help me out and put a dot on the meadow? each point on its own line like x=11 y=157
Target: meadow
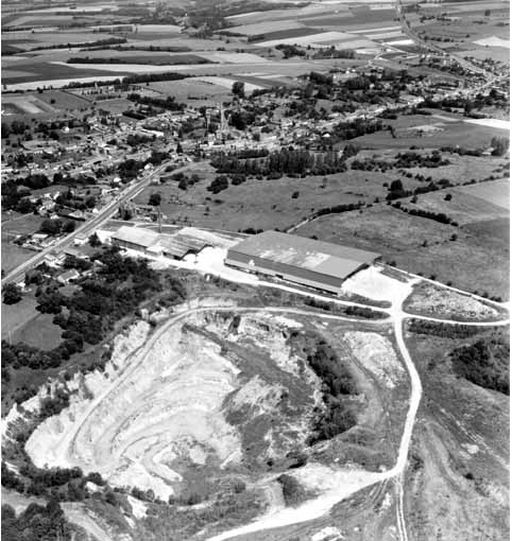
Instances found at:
x=470 y=135
x=421 y=245
x=39 y=332
x=267 y=204
x=495 y=193
x=462 y=206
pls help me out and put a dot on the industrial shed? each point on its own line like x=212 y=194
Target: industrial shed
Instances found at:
x=313 y=263
x=175 y=245
x=135 y=238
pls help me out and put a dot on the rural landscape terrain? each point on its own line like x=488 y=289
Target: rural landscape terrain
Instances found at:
x=255 y=270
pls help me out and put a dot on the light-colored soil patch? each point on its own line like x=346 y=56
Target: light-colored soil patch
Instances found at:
x=377 y=355
x=373 y=284
x=494 y=41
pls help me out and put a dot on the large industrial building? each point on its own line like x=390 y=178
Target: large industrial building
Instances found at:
x=312 y=263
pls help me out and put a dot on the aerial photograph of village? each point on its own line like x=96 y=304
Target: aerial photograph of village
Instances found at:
x=255 y=270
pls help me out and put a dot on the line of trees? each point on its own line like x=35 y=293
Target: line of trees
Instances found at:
x=283 y=162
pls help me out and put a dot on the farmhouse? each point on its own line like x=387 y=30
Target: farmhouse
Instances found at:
x=313 y=263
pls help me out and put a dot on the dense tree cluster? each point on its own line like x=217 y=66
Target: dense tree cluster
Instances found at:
x=116 y=288
x=44 y=523
x=335 y=416
x=332 y=52
x=350 y=130
x=485 y=363
x=169 y=103
x=404 y=160
x=290 y=51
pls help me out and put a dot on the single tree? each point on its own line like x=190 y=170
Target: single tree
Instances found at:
x=94 y=240
x=238 y=89
x=155 y=199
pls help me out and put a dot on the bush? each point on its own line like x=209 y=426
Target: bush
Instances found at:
x=293 y=492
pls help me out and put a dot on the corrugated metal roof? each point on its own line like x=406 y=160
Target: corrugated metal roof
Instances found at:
x=180 y=244
x=301 y=252
x=136 y=235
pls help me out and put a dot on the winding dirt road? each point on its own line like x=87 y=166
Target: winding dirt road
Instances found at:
x=311 y=509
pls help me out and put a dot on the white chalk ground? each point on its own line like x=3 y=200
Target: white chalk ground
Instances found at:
x=138 y=508
x=334 y=485
x=401 y=42
x=145 y=411
x=490 y=122
x=208 y=261
x=371 y=283
x=493 y=41
x=376 y=354
x=329 y=533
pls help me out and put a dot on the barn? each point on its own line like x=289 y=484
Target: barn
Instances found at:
x=313 y=263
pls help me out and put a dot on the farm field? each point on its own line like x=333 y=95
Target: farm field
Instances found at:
x=400 y=237
x=463 y=207
x=472 y=135
x=151 y=59
x=496 y=193
x=53 y=71
x=193 y=89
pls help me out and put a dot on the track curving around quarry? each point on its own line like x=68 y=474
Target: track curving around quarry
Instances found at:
x=347 y=483
x=316 y=508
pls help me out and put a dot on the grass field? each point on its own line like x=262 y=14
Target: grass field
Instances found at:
x=61 y=99
x=464 y=208
x=22 y=224
x=13 y=255
x=457 y=132
x=266 y=204
x=15 y=316
x=39 y=332
x=495 y=192
x=17 y=224
x=477 y=260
